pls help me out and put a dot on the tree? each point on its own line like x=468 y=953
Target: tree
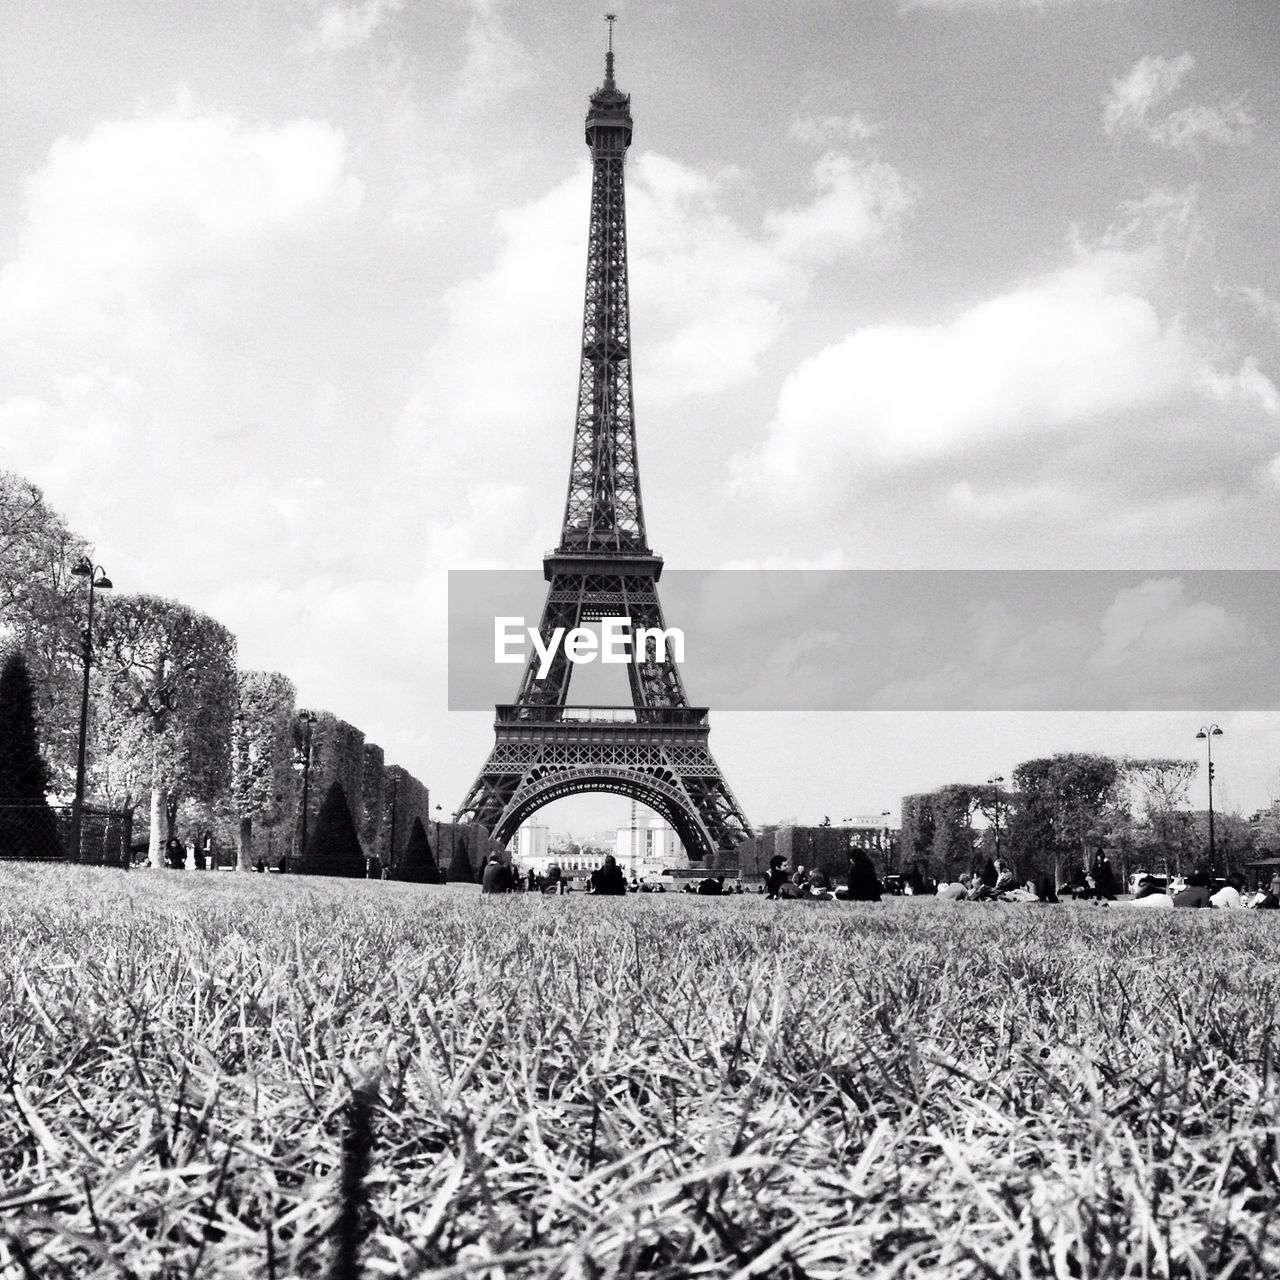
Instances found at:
x=169 y=680
x=337 y=755
x=1161 y=787
x=918 y=828
x=1063 y=805
x=261 y=754
x=28 y=827
x=373 y=783
x=403 y=799
x=1234 y=839
x=42 y=609
x=418 y=864
x=333 y=846
x=460 y=869
x=953 y=838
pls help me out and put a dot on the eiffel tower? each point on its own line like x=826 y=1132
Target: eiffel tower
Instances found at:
x=655 y=750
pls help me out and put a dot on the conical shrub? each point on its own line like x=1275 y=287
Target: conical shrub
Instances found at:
x=28 y=827
x=334 y=847
x=417 y=863
x=460 y=869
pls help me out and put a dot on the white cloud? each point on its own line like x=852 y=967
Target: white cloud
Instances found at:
x=1038 y=400
x=1134 y=97
x=109 y=213
x=340 y=27
x=1156 y=640
x=824 y=131
x=710 y=297
x=1147 y=83
x=1263 y=303
x=495 y=63
x=859 y=204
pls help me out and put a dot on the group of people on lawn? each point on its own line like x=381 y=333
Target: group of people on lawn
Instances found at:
x=1232 y=896
x=862 y=884
x=607 y=880
x=994 y=883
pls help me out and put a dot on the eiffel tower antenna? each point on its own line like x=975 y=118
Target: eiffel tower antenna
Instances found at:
x=654 y=751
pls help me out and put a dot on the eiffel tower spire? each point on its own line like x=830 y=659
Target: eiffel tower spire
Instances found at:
x=603 y=513
x=654 y=751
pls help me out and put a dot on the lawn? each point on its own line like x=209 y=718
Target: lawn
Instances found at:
x=240 y=1075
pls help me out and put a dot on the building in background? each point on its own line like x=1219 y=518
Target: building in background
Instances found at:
x=649 y=848
x=533 y=842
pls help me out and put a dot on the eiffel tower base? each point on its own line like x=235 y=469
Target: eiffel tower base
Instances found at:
x=657 y=756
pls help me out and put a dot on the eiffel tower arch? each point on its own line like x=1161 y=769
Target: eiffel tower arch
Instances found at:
x=656 y=749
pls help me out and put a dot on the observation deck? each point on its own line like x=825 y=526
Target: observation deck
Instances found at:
x=638 y=726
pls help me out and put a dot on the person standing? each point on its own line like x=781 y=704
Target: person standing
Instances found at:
x=1104 y=879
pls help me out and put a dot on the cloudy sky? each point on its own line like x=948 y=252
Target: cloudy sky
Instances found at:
x=290 y=298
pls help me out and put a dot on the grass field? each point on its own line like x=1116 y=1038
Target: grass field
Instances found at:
x=242 y=1075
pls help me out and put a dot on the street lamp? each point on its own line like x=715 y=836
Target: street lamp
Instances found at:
x=888 y=843
x=98 y=581
x=1208 y=733
x=995 y=782
x=308 y=723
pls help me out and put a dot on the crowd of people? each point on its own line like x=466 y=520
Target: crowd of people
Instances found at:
x=993 y=882
x=1199 y=893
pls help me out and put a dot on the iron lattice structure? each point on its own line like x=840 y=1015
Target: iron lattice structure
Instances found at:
x=656 y=750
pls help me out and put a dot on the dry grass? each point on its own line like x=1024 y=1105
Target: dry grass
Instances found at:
x=196 y=1066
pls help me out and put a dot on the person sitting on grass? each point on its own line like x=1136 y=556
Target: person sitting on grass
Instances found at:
x=1004 y=882
x=1196 y=894
x=1269 y=899
x=1229 y=898
x=820 y=886
x=1045 y=891
x=776 y=876
x=987 y=877
x=497 y=874
x=1151 y=896
x=1026 y=894
x=711 y=887
x=954 y=890
x=864 y=884
x=608 y=879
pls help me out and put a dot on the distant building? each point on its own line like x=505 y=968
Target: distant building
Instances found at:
x=648 y=849
x=533 y=840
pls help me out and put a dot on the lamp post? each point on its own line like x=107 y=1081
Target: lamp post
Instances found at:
x=888 y=843
x=98 y=581
x=1208 y=733
x=308 y=723
x=994 y=781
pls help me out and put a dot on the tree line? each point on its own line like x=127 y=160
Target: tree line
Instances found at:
x=179 y=738
x=1061 y=810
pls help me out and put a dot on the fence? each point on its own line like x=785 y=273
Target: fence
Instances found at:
x=34 y=832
